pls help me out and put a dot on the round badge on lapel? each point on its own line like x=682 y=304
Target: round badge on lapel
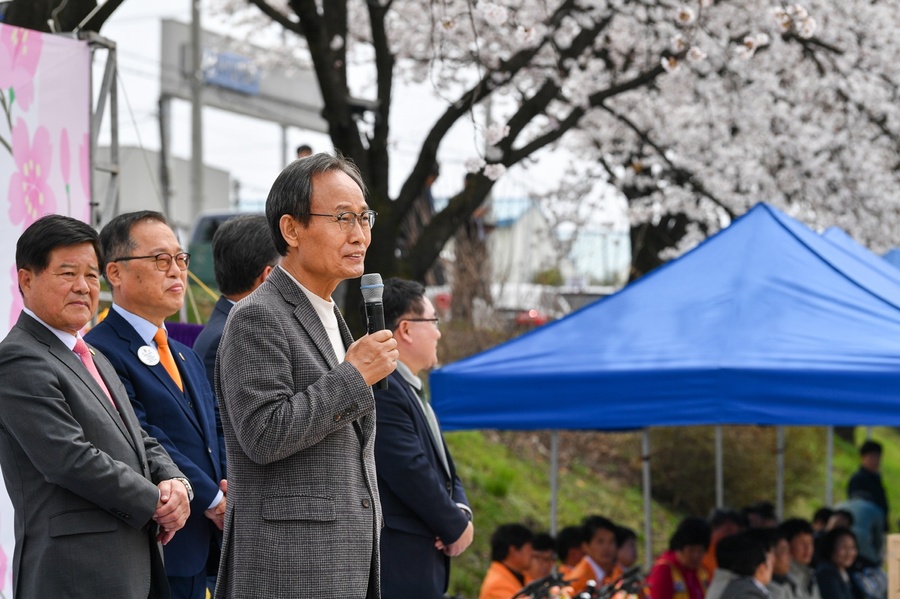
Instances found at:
x=148 y=355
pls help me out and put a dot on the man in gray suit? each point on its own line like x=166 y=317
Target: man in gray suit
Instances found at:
x=303 y=517
x=93 y=494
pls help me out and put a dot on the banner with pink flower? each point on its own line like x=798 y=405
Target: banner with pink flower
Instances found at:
x=44 y=140
x=44 y=166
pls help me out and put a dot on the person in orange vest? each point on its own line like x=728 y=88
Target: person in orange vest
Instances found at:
x=569 y=549
x=511 y=546
x=677 y=573
x=601 y=550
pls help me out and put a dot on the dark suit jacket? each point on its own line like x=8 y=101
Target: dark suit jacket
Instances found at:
x=81 y=477
x=831 y=583
x=186 y=424
x=418 y=497
x=207 y=342
x=303 y=515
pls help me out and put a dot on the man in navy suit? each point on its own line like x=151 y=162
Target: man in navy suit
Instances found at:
x=243 y=256
x=427 y=519
x=147 y=271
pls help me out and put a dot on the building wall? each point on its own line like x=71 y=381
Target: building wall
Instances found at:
x=139 y=187
x=521 y=248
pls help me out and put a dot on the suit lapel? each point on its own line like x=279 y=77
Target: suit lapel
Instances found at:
x=306 y=315
x=62 y=353
x=365 y=426
x=190 y=392
x=127 y=333
x=125 y=417
x=309 y=319
x=413 y=397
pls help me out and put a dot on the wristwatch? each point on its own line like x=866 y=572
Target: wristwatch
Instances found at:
x=187 y=485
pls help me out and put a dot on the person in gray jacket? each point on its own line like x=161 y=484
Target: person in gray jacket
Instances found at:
x=800 y=537
x=726 y=552
x=753 y=565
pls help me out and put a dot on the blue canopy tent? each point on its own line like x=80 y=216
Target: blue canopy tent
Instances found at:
x=867 y=258
x=764 y=323
x=893 y=257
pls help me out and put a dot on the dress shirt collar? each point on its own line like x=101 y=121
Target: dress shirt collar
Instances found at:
x=407 y=375
x=145 y=329
x=67 y=338
x=760 y=586
x=598 y=571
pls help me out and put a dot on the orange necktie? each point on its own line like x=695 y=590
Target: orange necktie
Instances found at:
x=166 y=358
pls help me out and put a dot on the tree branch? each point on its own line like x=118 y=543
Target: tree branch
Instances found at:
x=277 y=16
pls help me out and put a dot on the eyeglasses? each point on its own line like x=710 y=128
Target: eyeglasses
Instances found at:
x=436 y=322
x=347 y=220
x=163 y=261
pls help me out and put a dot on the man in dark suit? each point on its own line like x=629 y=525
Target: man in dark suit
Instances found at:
x=427 y=518
x=303 y=515
x=93 y=494
x=147 y=271
x=868 y=477
x=243 y=256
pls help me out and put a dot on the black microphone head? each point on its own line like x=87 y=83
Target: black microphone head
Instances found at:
x=372 y=288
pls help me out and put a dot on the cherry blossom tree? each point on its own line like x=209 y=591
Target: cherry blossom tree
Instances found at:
x=693 y=111
x=523 y=57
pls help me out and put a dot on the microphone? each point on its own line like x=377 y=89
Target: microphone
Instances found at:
x=372 y=289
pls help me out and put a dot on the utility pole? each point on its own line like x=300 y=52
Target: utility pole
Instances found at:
x=196 y=111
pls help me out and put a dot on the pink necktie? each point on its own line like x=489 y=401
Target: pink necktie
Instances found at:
x=84 y=353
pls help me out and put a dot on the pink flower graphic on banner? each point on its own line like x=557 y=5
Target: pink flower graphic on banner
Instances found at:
x=64 y=155
x=30 y=196
x=14 y=309
x=3 y=565
x=20 y=51
x=84 y=167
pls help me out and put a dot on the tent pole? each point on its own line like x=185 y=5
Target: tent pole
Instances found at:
x=554 y=483
x=720 y=479
x=829 y=466
x=779 y=474
x=648 y=528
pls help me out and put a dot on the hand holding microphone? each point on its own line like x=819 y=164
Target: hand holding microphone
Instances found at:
x=375 y=355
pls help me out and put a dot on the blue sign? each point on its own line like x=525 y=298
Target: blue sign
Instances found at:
x=231 y=71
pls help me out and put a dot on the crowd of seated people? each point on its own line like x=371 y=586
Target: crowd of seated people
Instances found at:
x=721 y=557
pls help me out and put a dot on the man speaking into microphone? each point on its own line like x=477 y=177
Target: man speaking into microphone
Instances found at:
x=303 y=516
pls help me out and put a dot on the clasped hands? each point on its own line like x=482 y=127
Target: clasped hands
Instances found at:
x=172 y=509
x=217 y=512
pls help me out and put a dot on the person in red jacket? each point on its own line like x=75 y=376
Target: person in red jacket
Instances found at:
x=677 y=573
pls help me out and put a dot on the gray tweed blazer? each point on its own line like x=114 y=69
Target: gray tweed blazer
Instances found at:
x=303 y=517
